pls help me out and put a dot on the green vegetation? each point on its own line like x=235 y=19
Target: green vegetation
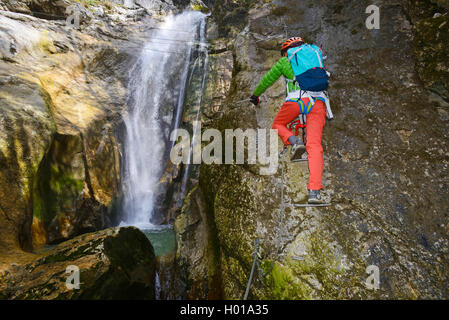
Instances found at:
x=317 y=276
x=431 y=50
x=284 y=285
x=56 y=188
x=107 y=4
x=199 y=7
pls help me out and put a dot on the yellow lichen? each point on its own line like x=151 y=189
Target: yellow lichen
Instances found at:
x=46 y=44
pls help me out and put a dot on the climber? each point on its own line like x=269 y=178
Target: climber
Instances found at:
x=302 y=67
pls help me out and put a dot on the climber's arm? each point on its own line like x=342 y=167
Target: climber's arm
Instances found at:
x=269 y=78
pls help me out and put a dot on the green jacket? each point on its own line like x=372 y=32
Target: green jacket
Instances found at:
x=281 y=67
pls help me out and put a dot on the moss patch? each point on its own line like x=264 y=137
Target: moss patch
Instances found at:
x=431 y=49
x=284 y=285
x=57 y=186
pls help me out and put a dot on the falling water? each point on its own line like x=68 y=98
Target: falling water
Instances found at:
x=200 y=98
x=156 y=96
x=157 y=287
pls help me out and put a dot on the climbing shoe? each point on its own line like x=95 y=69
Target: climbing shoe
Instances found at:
x=315 y=197
x=297 y=150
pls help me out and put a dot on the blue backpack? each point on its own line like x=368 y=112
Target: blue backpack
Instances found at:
x=308 y=67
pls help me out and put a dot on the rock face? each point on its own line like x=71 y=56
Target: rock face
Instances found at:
x=385 y=158
x=62 y=93
x=197 y=255
x=432 y=36
x=63 y=89
x=117 y=263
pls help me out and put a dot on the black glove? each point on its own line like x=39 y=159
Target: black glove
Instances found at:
x=254 y=100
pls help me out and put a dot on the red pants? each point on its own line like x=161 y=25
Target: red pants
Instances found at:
x=314 y=129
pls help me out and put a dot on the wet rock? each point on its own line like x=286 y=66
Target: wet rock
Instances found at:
x=89 y=215
x=384 y=161
x=218 y=81
x=168 y=202
x=171 y=285
x=199 y=5
x=26 y=128
x=63 y=92
x=15 y=37
x=442 y=3
x=431 y=49
x=197 y=255
x=17 y=6
x=116 y=263
x=156 y=7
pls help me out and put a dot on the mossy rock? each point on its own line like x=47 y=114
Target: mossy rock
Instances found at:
x=432 y=50
x=116 y=263
x=198 y=5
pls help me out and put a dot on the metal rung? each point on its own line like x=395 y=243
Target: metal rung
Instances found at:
x=302 y=205
x=300 y=160
x=298 y=258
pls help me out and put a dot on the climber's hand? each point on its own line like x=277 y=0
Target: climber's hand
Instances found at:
x=254 y=100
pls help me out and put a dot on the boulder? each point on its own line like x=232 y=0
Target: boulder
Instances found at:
x=116 y=263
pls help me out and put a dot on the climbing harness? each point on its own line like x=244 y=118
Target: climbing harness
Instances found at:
x=318 y=95
x=299 y=123
x=296 y=94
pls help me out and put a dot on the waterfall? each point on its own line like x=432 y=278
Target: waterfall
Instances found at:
x=156 y=97
x=198 y=110
x=157 y=287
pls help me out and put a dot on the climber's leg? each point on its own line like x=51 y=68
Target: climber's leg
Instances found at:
x=289 y=112
x=314 y=129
